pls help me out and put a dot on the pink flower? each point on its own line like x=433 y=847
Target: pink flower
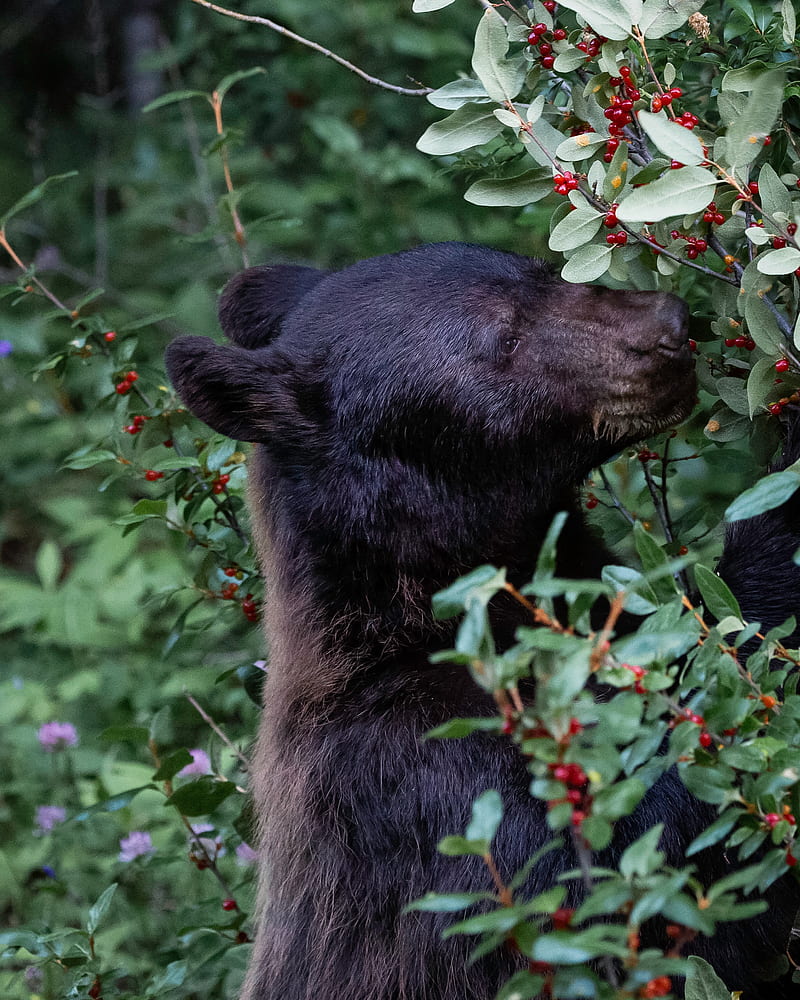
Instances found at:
x=245 y=854
x=200 y=764
x=49 y=816
x=136 y=844
x=57 y=736
x=213 y=847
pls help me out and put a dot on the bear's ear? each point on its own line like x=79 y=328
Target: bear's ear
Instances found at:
x=254 y=303
x=231 y=389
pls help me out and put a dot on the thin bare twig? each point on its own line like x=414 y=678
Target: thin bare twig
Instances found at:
x=273 y=26
x=207 y=719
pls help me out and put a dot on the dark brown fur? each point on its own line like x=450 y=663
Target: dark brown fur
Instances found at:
x=415 y=416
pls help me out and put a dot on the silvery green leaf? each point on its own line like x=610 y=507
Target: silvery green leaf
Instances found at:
x=671 y=139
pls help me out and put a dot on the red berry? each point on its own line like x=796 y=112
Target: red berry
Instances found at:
x=706 y=740
x=548 y=61
x=676 y=92
x=168 y=443
x=778 y=243
x=775 y=409
x=562 y=918
x=719 y=218
x=578 y=816
x=545 y=48
x=782 y=365
x=229 y=904
x=772 y=820
x=591 y=503
x=625 y=71
x=791 y=229
x=110 y=336
x=666 y=99
x=539 y=28
x=693 y=346
x=692 y=252
x=791 y=860
x=123 y=387
x=655 y=104
x=675 y=165
x=549 y=5
x=151 y=475
x=132 y=376
x=559 y=34
x=753 y=186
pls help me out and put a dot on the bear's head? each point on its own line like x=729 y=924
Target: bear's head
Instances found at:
x=403 y=389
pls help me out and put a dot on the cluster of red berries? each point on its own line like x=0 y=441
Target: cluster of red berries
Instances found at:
x=638 y=673
x=234 y=571
x=645 y=455
x=711 y=215
x=617 y=239
x=151 y=475
x=574 y=777
x=536 y=37
x=564 y=183
x=772 y=819
x=695 y=245
x=591 y=44
x=124 y=386
x=136 y=425
x=664 y=100
x=661 y=986
x=777 y=408
x=220 y=483
x=741 y=341
x=228 y=592
x=687 y=119
x=249 y=608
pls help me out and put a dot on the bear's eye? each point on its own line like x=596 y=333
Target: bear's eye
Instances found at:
x=510 y=344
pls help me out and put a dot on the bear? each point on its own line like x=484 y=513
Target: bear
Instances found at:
x=414 y=416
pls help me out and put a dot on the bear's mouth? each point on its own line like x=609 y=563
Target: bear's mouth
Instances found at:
x=634 y=414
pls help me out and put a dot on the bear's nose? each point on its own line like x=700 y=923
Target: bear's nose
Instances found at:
x=672 y=319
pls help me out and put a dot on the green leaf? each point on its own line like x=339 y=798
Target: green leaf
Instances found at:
x=471 y=125
x=85 y=459
x=733 y=392
x=587 y=263
x=575 y=229
x=612 y=18
x=48 y=564
x=171 y=764
x=228 y=81
x=642 y=857
x=422 y=6
x=774 y=197
x=459 y=728
x=783 y=261
x=479 y=585
x=98 y=911
x=448 y=902
x=114 y=803
x=671 y=139
x=456 y=847
x=760 y=385
x=34 y=195
x=761 y=323
x=768 y=493
x=487 y=812
x=580 y=147
x=718 y=830
x=457 y=93
x=716 y=594
x=173 y=97
x=510 y=192
x=745 y=136
x=198 y=798
x=678 y=192
x=502 y=78
x=659 y=17
x=702 y=983
x=619 y=799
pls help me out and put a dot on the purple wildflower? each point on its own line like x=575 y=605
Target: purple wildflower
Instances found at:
x=245 y=854
x=6 y=347
x=57 y=736
x=136 y=844
x=48 y=817
x=213 y=847
x=34 y=978
x=200 y=764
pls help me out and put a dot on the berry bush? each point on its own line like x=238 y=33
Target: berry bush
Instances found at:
x=652 y=145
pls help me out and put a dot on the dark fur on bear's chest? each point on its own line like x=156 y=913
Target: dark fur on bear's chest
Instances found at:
x=415 y=416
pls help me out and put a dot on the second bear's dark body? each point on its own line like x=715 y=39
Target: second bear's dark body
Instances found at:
x=415 y=416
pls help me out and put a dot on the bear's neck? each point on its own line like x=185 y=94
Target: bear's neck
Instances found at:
x=351 y=573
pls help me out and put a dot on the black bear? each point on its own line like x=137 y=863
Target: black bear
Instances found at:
x=416 y=415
